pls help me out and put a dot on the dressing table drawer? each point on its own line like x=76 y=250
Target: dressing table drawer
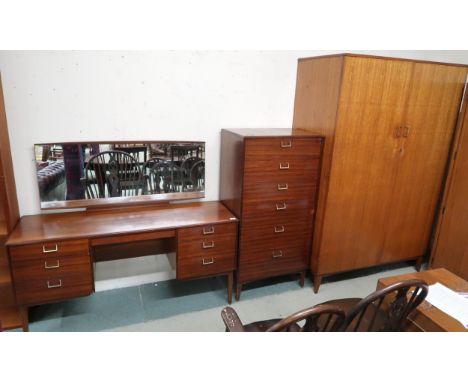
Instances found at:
x=52 y=279
x=205 y=264
x=49 y=249
x=206 y=250
x=207 y=232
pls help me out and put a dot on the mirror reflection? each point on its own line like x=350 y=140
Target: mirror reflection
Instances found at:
x=77 y=171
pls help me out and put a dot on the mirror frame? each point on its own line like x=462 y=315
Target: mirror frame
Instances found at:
x=120 y=201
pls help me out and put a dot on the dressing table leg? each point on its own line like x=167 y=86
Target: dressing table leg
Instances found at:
x=230 y=277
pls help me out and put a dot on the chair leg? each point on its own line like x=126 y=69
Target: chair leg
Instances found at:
x=238 y=291
x=317 y=282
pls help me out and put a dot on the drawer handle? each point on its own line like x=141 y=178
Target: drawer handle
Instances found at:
x=207 y=262
x=44 y=250
x=279 y=228
x=284 y=166
x=210 y=245
x=49 y=285
x=282 y=187
x=208 y=231
x=280 y=207
x=47 y=266
x=286 y=144
x=276 y=254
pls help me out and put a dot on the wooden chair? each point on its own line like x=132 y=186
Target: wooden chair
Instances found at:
x=385 y=310
x=112 y=173
x=321 y=318
x=161 y=176
x=185 y=169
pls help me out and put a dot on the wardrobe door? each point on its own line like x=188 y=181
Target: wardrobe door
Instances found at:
x=451 y=245
x=427 y=132
x=372 y=105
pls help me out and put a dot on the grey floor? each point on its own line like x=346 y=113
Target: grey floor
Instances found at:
x=194 y=306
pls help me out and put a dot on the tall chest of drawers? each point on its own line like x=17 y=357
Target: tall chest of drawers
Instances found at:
x=269 y=180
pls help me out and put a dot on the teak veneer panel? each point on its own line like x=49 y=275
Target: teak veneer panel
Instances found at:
x=450 y=248
x=363 y=159
x=431 y=116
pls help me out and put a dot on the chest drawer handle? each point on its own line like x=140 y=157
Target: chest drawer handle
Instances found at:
x=279 y=228
x=44 y=250
x=286 y=144
x=276 y=254
x=209 y=245
x=282 y=187
x=284 y=166
x=49 y=285
x=47 y=266
x=208 y=231
x=207 y=262
x=280 y=207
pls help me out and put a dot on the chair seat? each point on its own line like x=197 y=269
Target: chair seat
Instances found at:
x=346 y=304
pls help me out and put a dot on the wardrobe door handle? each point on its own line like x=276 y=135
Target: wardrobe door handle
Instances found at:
x=284 y=166
x=405 y=132
x=282 y=187
x=286 y=144
x=280 y=207
x=47 y=266
x=397 y=133
x=210 y=245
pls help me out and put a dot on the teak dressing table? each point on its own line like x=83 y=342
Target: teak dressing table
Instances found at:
x=51 y=256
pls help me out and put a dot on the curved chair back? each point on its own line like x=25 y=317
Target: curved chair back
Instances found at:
x=112 y=173
x=325 y=318
x=387 y=309
x=161 y=176
x=315 y=319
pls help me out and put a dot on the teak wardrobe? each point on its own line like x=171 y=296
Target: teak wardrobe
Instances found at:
x=388 y=125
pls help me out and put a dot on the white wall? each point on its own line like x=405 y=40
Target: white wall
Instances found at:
x=150 y=95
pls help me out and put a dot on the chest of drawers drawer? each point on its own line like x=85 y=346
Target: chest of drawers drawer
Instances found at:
x=282 y=147
x=301 y=166
x=277 y=209
x=207 y=250
x=49 y=249
x=267 y=262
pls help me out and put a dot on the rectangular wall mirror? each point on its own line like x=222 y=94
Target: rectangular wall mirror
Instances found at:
x=81 y=174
